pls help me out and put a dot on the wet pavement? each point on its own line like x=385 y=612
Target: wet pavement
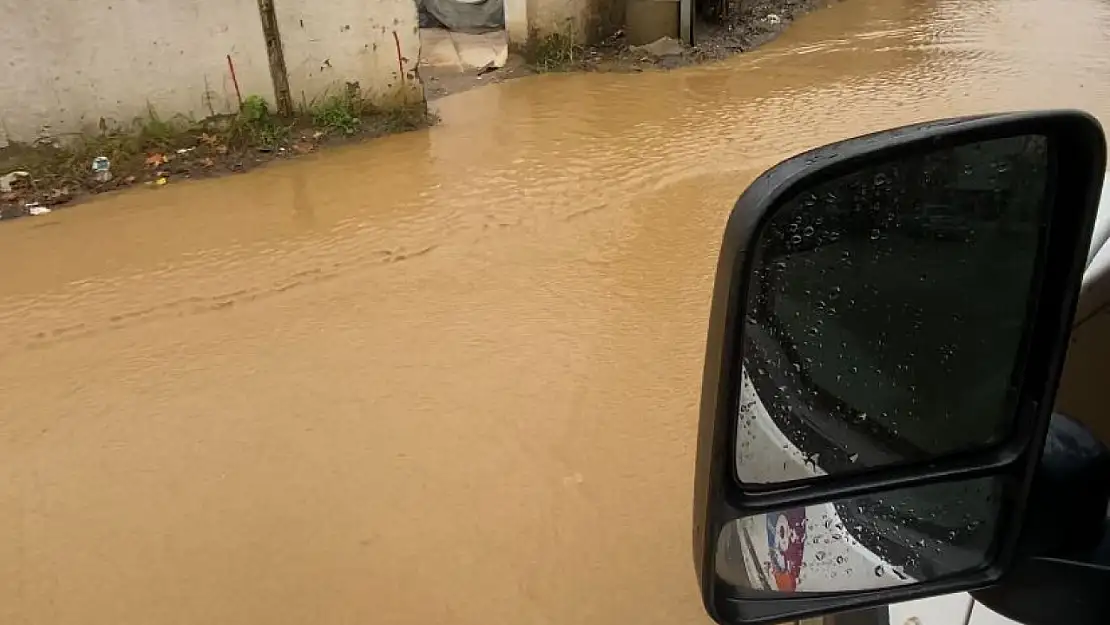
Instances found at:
x=447 y=376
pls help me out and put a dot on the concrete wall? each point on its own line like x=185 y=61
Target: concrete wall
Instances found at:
x=67 y=65
x=328 y=44
x=588 y=20
x=516 y=21
x=64 y=64
x=550 y=17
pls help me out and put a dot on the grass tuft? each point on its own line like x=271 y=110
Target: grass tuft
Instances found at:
x=558 y=51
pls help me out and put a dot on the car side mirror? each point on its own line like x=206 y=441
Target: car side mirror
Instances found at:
x=889 y=321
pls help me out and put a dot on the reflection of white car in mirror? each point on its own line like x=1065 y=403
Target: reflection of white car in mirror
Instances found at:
x=889 y=324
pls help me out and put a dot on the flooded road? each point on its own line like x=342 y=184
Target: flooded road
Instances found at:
x=445 y=377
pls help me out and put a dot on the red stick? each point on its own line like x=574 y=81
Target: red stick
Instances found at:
x=235 y=81
x=400 y=62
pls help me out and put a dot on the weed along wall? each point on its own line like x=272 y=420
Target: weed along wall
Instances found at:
x=69 y=67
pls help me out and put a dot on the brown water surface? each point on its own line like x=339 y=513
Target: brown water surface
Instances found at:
x=444 y=377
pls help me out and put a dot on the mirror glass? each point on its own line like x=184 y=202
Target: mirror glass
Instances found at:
x=900 y=537
x=886 y=312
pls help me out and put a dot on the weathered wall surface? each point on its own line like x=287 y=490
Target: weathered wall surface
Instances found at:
x=549 y=17
x=64 y=65
x=373 y=42
x=587 y=20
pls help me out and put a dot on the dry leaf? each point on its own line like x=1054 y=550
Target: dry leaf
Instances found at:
x=208 y=139
x=207 y=161
x=155 y=160
x=303 y=148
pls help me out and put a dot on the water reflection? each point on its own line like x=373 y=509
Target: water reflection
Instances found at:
x=903 y=537
x=887 y=310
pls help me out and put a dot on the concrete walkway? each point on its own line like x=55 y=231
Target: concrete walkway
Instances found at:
x=443 y=49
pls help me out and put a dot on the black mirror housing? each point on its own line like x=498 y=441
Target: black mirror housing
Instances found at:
x=1069 y=156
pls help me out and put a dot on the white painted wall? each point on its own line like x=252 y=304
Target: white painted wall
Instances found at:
x=65 y=64
x=330 y=43
x=516 y=21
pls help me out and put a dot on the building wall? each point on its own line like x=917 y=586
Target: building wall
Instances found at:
x=557 y=17
x=375 y=43
x=587 y=20
x=64 y=65
x=68 y=67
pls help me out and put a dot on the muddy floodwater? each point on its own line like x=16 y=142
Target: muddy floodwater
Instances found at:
x=444 y=377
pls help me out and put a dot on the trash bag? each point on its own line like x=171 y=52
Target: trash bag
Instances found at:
x=468 y=17
x=427 y=20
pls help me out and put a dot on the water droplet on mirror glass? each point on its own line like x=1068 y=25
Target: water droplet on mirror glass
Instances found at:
x=879 y=571
x=840 y=559
x=875 y=234
x=796 y=239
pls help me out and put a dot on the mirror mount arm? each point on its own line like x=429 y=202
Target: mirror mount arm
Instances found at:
x=1062 y=569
